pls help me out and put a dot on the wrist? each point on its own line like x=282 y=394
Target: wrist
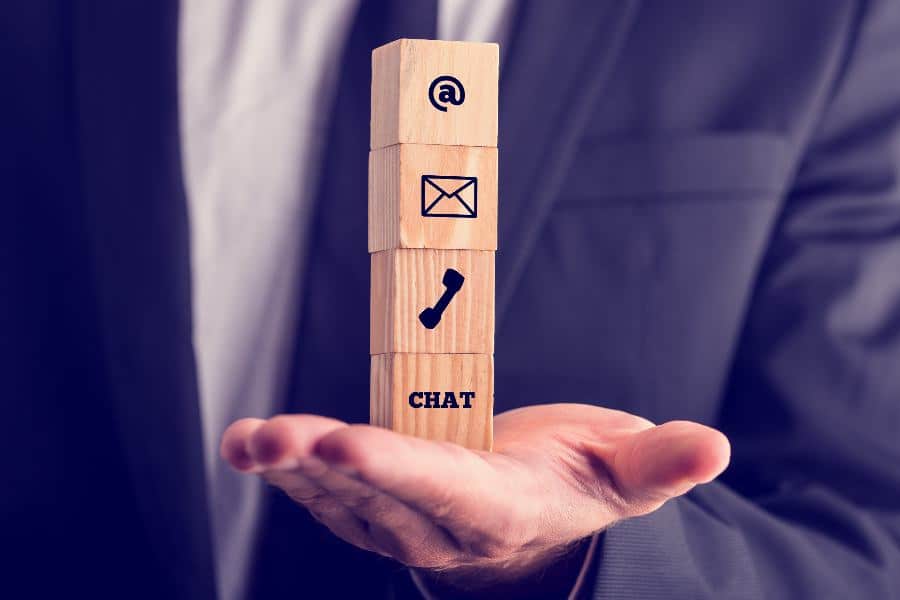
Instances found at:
x=549 y=573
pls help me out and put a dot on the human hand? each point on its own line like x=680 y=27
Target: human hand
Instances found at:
x=558 y=473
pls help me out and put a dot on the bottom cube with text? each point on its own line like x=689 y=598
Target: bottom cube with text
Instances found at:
x=441 y=397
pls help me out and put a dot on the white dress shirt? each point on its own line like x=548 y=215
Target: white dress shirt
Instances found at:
x=256 y=83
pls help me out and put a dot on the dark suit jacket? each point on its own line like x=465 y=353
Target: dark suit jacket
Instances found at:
x=700 y=219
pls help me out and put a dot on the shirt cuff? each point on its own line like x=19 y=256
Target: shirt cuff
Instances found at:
x=578 y=587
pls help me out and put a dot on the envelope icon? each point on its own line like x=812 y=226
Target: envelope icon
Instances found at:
x=449 y=196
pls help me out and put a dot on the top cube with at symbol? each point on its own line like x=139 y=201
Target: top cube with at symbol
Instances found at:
x=435 y=92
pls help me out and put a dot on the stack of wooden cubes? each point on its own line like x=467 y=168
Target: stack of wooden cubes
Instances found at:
x=432 y=239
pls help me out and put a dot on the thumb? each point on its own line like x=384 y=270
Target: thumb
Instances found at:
x=662 y=462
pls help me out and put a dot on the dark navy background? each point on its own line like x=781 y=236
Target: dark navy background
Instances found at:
x=699 y=219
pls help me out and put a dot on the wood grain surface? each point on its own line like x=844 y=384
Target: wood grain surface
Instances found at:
x=434 y=117
x=395 y=376
x=406 y=281
x=397 y=193
x=402 y=73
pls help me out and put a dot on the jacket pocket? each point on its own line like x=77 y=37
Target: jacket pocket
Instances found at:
x=757 y=164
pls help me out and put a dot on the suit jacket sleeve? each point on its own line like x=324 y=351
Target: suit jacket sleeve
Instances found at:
x=810 y=506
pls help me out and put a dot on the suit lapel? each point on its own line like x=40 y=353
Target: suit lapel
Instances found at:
x=560 y=57
x=128 y=143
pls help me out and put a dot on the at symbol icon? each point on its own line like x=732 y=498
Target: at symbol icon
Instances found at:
x=449 y=90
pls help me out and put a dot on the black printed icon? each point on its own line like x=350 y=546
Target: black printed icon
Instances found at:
x=449 y=196
x=449 y=90
x=431 y=316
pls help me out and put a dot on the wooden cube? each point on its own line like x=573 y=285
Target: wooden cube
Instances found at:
x=407 y=283
x=441 y=397
x=423 y=196
x=435 y=92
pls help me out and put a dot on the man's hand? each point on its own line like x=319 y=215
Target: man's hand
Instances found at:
x=558 y=473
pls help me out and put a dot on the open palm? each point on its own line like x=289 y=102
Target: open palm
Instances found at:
x=558 y=473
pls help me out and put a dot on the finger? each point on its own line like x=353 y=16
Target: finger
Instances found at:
x=393 y=527
x=284 y=440
x=283 y=446
x=275 y=448
x=271 y=447
x=233 y=448
x=412 y=470
x=282 y=452
x=666 y=461
x=343 y=523
x=448 y=484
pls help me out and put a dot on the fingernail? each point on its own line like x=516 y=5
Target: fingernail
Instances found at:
x=241 y=460
x=264 y=451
